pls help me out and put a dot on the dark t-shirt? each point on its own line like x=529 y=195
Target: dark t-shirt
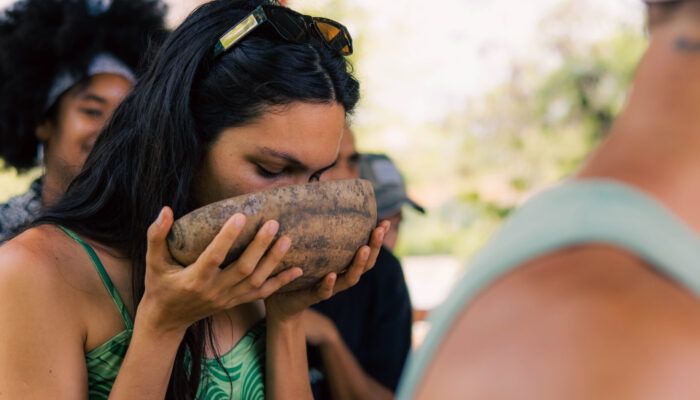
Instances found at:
x=374 y=318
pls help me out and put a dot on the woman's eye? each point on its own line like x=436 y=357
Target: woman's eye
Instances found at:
x=267 y=173
x=315 y=177
x=92 y=112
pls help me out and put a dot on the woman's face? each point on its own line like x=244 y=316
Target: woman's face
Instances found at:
x=81 y=114
x=287 y=145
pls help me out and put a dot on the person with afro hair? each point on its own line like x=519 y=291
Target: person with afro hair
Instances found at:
x=64 y=67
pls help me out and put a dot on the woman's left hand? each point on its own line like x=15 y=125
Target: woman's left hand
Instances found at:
x=290 y=305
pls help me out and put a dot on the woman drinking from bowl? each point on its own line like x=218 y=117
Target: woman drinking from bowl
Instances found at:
x=243 y=96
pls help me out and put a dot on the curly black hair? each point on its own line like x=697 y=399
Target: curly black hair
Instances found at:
x=40 y=38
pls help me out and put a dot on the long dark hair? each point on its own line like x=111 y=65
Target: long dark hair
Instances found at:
x=149 y=153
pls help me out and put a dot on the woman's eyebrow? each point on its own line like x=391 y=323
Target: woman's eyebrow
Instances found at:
x=292 y=160
x=284 y=156
x=93 y=97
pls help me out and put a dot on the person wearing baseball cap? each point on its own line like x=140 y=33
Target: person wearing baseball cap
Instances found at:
x=389 y=190
x=591 y=290
x=359 y=339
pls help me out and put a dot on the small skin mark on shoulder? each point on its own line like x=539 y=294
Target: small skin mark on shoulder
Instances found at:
x=50 y=371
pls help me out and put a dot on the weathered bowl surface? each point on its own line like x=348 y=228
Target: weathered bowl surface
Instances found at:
x=326 y=221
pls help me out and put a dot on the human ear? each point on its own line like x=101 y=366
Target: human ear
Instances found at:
x=44 y=131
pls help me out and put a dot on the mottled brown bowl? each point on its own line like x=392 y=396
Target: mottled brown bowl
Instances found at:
x=326 y=221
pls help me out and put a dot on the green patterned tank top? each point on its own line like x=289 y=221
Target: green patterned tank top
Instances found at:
x=238 y=374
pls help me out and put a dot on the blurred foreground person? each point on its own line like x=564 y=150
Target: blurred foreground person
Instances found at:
x=390 y=190
x=590 y=291
x=243 y=96
x=360 y=338
x=64 y=67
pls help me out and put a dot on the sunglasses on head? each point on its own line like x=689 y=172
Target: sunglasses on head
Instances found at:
x=291 y=26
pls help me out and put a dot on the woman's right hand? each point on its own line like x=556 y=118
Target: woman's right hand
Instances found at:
x=177 y=296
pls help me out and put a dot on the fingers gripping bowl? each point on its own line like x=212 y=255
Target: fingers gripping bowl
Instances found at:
x=326 y=221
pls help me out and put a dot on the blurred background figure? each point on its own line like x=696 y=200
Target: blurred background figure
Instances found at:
x=65 y=65
x=390 y=191
x=360 y=338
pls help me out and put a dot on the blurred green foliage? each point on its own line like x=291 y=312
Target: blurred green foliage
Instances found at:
x=524 y=136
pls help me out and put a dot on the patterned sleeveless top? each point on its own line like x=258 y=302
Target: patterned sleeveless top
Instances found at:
x=238 y=374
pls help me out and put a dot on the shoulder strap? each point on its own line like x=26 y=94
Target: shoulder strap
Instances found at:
x=576 y=212
x=104 y=276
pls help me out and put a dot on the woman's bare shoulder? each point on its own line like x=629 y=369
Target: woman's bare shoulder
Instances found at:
x=29 y=252
x=43 y=273
x=37 y=260
x=42 y=331
x=578 y=323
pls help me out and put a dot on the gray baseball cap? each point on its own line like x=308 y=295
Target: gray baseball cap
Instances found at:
x=389 y=186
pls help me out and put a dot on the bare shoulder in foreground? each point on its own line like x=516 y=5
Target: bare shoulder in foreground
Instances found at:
x=34 y=259
x=585 y=322
x=42 y=308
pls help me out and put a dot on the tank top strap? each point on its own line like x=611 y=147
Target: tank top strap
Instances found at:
x=573 y=213
x=106 y=280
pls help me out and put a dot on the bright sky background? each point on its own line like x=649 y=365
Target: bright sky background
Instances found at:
x=452 y=50
x=421 y=60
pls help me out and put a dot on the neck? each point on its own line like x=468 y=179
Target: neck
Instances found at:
x=655 y=143
x=52 y=189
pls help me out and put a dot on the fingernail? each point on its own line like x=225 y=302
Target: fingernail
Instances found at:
x=284 y=243
x=381 y=235
x=238 y=220
x=365 y=255
x=160 y=218
x=298 y=272
x=272 y=227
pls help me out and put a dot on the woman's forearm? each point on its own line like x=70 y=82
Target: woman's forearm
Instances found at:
x=148 y=364
x=346 y=379
x=286 y=365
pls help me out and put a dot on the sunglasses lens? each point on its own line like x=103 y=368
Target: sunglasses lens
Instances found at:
x=336 y=37
x=328 y=31
x=288 y=24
